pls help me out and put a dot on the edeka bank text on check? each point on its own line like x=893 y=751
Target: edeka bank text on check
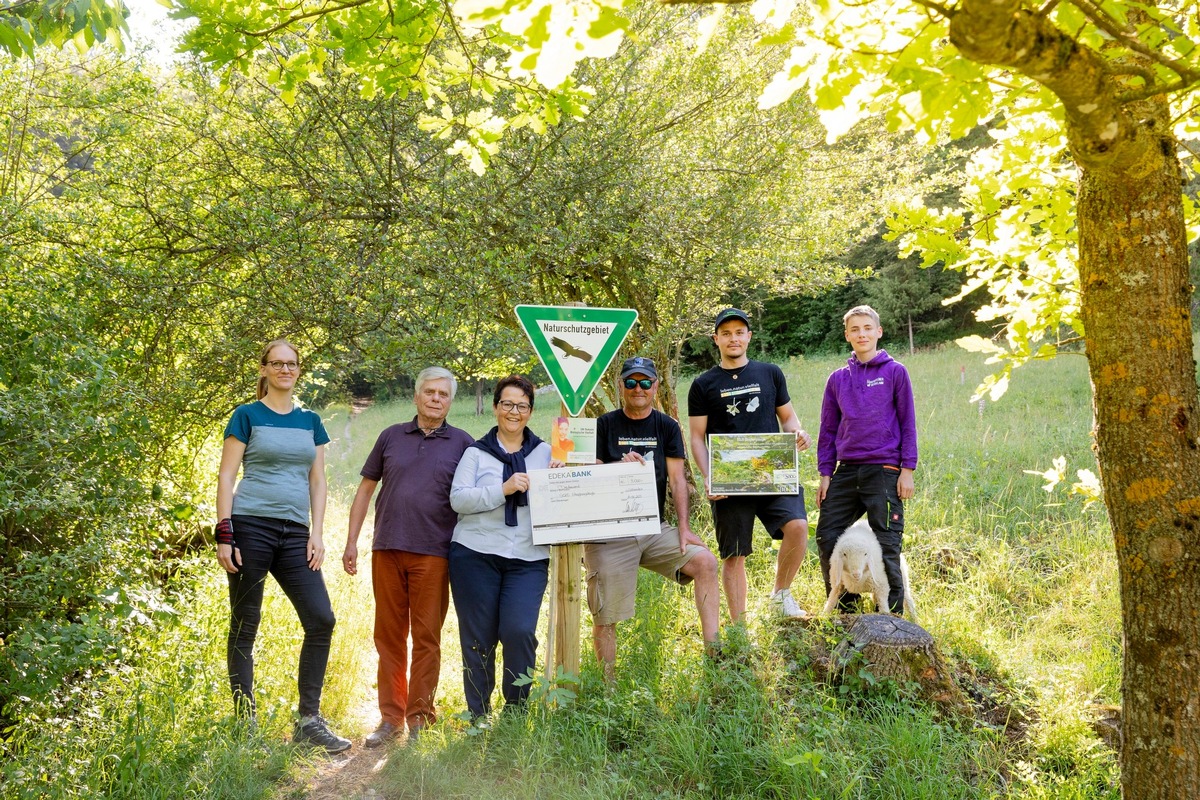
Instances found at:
x=585 y=504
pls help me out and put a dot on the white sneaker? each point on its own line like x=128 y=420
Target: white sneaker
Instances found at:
x=783 y=604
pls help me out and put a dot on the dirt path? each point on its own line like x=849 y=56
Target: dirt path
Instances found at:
x=347 y=776
x=351 y=775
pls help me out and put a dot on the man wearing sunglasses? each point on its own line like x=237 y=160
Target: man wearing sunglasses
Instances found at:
x=639 y=432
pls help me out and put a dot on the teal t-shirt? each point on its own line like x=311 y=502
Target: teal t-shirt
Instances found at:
x=280 y=450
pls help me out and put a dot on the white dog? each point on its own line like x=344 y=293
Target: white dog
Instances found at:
x=857 y=567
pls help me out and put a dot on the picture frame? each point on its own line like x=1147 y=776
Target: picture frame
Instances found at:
x=742 y=464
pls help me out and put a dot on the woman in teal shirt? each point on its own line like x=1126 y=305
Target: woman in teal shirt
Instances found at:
x=265 y=529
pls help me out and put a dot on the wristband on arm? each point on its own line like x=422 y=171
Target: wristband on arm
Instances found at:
x=224 y=531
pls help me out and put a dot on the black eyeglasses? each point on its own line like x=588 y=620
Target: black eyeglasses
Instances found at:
x=520 y=408
x=645 y=383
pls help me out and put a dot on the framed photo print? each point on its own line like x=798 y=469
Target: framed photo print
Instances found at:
x=753 y=463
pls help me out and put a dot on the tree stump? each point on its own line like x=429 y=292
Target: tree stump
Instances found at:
x=892 y=648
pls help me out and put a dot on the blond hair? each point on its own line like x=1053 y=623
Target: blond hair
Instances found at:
x=861 y=311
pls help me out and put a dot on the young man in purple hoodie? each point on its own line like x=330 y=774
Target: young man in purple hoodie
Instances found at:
x=869 y=434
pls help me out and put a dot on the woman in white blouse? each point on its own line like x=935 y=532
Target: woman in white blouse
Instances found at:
x=497 y=574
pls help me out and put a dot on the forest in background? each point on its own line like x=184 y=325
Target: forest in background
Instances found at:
x=156 y=229
x=130 y=350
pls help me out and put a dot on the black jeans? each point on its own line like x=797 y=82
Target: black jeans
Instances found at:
x=278 y=547
x=870 y=488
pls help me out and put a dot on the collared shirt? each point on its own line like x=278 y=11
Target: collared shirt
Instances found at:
x=413 y=512
x=478 y=497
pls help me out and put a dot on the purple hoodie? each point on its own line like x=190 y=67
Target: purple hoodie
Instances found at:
x=867 y=416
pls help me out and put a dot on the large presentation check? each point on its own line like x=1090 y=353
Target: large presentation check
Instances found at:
x=591 y=503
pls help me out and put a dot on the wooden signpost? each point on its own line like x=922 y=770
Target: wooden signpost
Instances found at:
x=575 y=344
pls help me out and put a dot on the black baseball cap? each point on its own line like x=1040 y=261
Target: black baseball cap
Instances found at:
x=731 y=313
x=639 y=364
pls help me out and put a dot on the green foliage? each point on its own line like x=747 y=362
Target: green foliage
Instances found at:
x=392 y=50
x=1013 y=231
x=114 y=372
x=28 y=24
x=551 y=692
x=923 y=299
x=153 y=718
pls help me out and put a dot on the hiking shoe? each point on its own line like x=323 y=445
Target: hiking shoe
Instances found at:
x=385 y=733
x=315 y=732
x=783 y=604
x=414 y=733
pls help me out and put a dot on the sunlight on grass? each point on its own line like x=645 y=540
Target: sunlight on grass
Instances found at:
x=1017 y=586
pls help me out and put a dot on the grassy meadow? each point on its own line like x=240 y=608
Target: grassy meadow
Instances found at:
x=1018 y=587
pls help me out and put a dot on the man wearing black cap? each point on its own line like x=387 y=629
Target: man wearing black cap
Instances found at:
x=639 y=432
x=744 y=396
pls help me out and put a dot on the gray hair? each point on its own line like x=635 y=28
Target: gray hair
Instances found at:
x=435 y=374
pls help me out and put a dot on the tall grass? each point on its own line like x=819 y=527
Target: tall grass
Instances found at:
x=1018 y=587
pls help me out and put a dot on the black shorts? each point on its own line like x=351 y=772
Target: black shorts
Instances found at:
x=734 y=518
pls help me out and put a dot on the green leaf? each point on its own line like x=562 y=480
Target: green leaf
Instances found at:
x=785 y=35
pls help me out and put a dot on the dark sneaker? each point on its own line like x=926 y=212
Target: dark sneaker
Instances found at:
x=315 y=732
x=385 y=733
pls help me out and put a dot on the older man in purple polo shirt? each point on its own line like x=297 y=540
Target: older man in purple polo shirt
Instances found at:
x=413 y=525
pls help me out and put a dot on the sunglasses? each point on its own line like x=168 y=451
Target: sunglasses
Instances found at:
x=645 y=383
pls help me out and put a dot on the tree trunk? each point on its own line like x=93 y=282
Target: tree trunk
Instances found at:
x=1135 y=305
x=911 y=349
x=1136 y=293
x=895 y=649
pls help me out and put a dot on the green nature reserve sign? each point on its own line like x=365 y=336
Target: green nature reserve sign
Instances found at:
x=575 y=344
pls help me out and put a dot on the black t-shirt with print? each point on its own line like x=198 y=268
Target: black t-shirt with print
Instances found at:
x=739 y=400
x=617 y=434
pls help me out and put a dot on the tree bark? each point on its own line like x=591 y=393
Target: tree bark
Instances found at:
x=1136 y=297
x=898 y=650
x=1135 y=306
